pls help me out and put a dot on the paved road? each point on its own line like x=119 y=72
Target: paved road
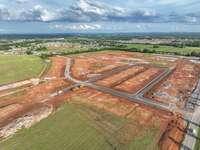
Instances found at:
x=155 y=81
x=130 y=97
x=61 y=92
x=138 y=98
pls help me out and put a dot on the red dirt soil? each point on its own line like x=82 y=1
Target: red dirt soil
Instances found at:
x=57 y=67
x=116 y=79
x=134 y=84
x=95 y=63
x=173 y=135
x=85 y=67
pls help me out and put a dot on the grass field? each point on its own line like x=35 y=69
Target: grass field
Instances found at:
x=15 y=68
x=67 y=48
x=165 y=49
x=80 y=127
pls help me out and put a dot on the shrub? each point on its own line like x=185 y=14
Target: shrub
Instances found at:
x=155 y=46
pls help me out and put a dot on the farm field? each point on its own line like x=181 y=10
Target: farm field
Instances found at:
x=15 y=68
x=66 y=48
x=74 y=126
x=165 y=49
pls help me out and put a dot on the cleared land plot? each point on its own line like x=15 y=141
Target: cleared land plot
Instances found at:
x=85 y=67
x=75 y=126
x=15 y=68
x=57 y=67
x=178 y=86
x=120 y=77
x=134 y=84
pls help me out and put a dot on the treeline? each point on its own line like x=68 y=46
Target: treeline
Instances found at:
x=5 y=47
x=193 y=53
x=146 y=50
x=184 y=44
x=50 y=54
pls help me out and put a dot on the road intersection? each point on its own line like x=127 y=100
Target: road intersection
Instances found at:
x=138 y=97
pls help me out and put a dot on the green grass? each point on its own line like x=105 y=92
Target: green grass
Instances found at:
x=166 y=49
x=67 y=49
x=80 y=127
x=14 y=68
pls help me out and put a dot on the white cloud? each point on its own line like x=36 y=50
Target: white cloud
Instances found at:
x=37 y=13
x=98 y=8
x=90 y=11
x=46 y=15
x=147 y=12
x=81 y=27
x=191 y=19
x=86 y=7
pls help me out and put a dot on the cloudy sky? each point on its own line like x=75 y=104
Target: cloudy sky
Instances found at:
x=90 y=16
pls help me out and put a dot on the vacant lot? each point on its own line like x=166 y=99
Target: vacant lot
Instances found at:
x=14 y=68
x=119 y=78
x=178 y=86
x=75 y=126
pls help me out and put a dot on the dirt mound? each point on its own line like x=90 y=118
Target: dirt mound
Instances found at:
x=173 y=135
x=25 y=121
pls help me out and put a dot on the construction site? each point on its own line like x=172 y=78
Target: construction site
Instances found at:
x=152 y=90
